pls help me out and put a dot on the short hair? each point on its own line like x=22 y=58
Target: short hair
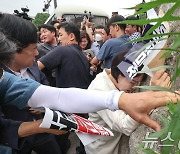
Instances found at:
x=54 y=22
x=48 y=27
x=116 y=18
x=99 y=27
x=20 y=30
x=134 y=18
x=71 y=28
x=7 y=48
x=115 y=72
x=107 y=30
x=131 y=18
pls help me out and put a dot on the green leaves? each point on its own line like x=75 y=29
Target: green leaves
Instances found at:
x=158 y=88
x=170 y=133
x=40 y=19
x=156 y=69
x=173 y=132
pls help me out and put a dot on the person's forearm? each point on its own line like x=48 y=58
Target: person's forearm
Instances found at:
x=89 y=33
x=95 y=61
x=40 y=65
x=74 y=100
x=29 y=128
x=139 y=105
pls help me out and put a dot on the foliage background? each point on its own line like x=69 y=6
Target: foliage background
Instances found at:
x=172 y=15
x=40 y=18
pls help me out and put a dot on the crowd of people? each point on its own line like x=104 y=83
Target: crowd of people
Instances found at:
x=72 y=69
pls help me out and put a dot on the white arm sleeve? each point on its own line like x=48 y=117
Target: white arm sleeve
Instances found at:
x=74 y=100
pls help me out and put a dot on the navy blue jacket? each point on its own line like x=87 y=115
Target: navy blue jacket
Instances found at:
x=24 y=115
x=11 y=118
x=9 y=131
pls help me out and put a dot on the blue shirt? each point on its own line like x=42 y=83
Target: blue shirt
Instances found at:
x=16 y=91
x=111 y=48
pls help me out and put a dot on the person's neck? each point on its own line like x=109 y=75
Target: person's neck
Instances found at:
x=73 y=42
x=13 y=66
x=120 y=33
x=53 y=42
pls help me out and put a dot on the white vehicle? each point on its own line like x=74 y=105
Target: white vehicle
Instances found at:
x=76 y=13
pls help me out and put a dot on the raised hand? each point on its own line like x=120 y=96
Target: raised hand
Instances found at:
x=161 y=78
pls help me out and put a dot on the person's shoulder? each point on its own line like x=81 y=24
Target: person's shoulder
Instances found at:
x=41 y=45
x=110 y=41
x=114 y=41
x=61 y=48
x=35 y=66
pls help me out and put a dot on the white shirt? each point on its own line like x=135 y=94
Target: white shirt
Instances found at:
x=22 y=74
x=118 y=122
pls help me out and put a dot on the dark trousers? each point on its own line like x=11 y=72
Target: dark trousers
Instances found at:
x=41 y=144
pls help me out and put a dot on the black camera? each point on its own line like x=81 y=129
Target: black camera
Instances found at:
x=25 y=9
x=88 y=15
x=23 y=14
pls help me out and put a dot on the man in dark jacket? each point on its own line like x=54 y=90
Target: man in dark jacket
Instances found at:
x=23 y=66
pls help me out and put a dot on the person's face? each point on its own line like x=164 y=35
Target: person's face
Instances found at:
x=104 y=35
x=125 y=85
x=41 y=39
x=130 y=29
x=26 y=57
x=46 y=35
x=83 y=43
x=64 y=37
x=113 y=31
x=98 y=31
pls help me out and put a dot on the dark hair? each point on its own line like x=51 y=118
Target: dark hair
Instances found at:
x=107 y=30
x=54 y=22
x=83 y=34
x=134 y=18
x=115 y=72
x=20 y=30
x=131 y=18
x=99 y=27
x=116 y=18
x=70 y=28
x=48 y=27
x=7 y=48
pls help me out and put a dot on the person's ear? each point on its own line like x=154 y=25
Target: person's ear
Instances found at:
x=53 y=33
x=71 y=37
x=117 y=27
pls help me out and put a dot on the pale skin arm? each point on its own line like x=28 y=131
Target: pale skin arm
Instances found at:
x=94 y=61
x=30 y=128
x=89 y=30
x=40 y=65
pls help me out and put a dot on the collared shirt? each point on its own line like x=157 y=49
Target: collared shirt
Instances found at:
x=23 y=73
x=95 y=47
